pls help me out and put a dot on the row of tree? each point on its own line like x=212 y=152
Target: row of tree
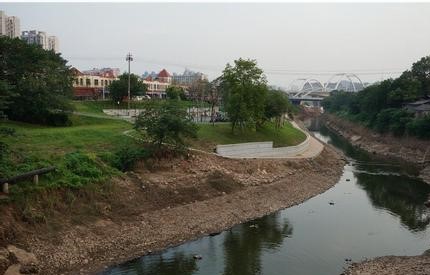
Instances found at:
x=381 y=106
x=35 y=84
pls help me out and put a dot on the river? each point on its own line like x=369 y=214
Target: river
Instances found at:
x=375 y=209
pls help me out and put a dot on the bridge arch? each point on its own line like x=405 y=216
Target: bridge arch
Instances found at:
x=347 y=82
x=305 y=86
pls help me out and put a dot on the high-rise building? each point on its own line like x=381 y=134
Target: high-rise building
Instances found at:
x=42 y=39
x=3 y=17
x=13 y=27
x=9 y=25
x=53 y=43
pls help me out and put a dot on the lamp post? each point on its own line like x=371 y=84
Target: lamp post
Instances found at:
x=129 y=58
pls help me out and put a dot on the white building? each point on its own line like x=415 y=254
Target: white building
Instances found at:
x=53 y=44
x=9 y=25
x=42 y=39
x=188 y=78
x=3 y=17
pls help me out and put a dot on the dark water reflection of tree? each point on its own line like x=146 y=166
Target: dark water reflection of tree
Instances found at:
x=244 y=244
x=387 y=184
x=402 y=196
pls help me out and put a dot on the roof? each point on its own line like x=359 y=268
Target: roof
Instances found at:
x=76 y=71
x=148 y=78
x=164 y=73
x=419 y=102
x=423 y=108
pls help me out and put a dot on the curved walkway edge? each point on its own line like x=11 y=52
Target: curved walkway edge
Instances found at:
x=309 y=148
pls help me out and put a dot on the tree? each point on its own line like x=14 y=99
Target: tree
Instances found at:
x=35 y=84
x=167 y=122
x=214 y=92
x=277 y=105
x=421 y=70
x=175 y=92
x=118 y=89
x=245 y=91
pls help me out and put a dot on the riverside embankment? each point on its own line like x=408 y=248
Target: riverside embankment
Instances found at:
x=174 y=201
x=409 y=149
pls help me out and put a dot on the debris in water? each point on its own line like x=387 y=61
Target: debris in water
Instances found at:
x=253 y=226
x=331 y=202
x=197 y=257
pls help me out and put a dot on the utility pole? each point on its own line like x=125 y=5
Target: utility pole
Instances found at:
x=129 y=58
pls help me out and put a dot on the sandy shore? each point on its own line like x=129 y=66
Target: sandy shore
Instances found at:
x=179 y=201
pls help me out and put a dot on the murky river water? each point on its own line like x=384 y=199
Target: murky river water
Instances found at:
x=375 y=209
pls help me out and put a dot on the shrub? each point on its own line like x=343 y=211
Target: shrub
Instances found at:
x=125 y=157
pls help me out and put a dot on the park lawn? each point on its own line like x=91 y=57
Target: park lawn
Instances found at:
x=208 y=135
x=87 y=134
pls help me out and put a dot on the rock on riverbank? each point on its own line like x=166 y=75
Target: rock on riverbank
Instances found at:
x=392 y=265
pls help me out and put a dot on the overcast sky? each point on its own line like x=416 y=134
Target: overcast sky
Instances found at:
x=286 y=39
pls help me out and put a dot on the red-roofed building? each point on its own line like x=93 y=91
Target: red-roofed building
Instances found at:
x=164 y=76
x=157 y=86
x=91 y=86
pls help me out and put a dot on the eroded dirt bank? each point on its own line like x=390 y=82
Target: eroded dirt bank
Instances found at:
x=175 y=201
x=408 y=148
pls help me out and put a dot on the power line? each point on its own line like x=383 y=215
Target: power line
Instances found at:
x=267 y=71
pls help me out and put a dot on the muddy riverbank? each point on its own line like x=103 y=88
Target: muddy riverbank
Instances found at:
x=175 y=201
x=409 y=149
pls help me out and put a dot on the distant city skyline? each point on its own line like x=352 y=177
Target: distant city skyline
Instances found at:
x=288 y=40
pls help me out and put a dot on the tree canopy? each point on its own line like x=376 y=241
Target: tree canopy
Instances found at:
x=118 y=89
x=245 y=91
x=381 y=106
x=176 y=93
x=167 y=122
x=35 y=84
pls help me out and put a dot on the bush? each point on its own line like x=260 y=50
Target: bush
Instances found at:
x=80 y=169
x=58 y=119
x=125 y=157
x=419 y=127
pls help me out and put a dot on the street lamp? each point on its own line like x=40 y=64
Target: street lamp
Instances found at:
x=129 y=58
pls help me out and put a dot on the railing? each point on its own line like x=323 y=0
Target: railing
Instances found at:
x=35 y=174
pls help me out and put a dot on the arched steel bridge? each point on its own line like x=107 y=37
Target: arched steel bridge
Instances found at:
x=307 y=87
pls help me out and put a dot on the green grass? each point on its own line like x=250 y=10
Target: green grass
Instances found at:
x=82 y=153
x=208 y=135
x=87 y=134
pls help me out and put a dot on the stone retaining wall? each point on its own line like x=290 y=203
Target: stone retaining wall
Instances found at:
x=261 y=149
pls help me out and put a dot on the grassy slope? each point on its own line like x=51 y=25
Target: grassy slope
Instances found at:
x=209 y=136
x=91 y=135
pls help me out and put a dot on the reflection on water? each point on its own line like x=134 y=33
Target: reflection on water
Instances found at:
x=376 y=209
x=244 y=244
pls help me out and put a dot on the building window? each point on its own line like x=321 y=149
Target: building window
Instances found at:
x=96 y=82
x=77 y=81
x=81 y=81
x=106 y=82
x=88 y=82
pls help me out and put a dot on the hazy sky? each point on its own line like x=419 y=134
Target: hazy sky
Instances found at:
x=286 y=39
